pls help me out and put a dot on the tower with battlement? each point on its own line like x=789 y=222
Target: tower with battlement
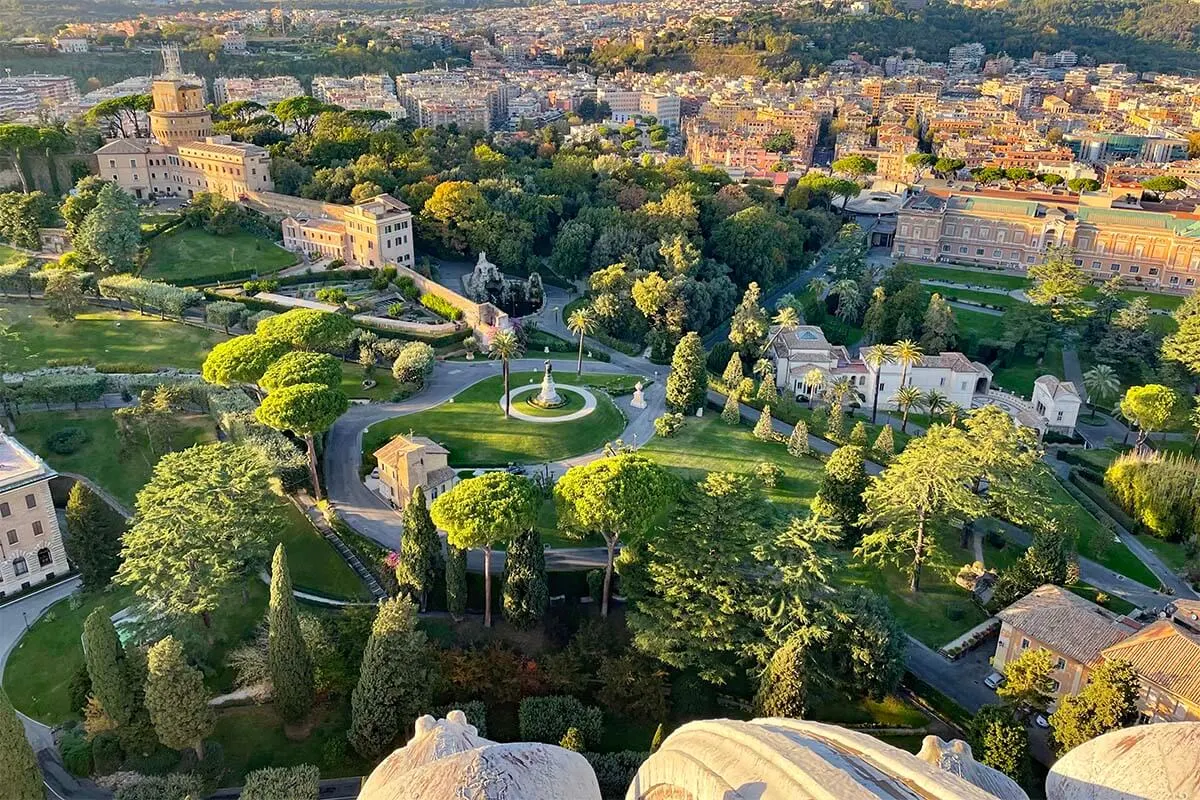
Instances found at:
x=179 y=113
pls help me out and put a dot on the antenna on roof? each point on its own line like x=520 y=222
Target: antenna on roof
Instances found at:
x=171 y=65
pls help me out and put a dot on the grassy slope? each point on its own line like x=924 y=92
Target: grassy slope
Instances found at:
x=473 y=428
x=101 y=458
x=314 y=564
x=97 y=336
x=195 y=253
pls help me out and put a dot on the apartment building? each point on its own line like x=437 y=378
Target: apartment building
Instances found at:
x=49 y=89
x=31 y=542
x=263 y=91
x=467 y=98
x=363 y=92
x=624 y=105
x=17 y=101
x=1110 y=235
x=374 y=233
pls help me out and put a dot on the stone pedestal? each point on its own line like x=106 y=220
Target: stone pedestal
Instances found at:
x=639 y=400
x=548 y=397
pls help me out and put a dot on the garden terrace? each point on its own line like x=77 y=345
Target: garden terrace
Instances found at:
x=190 y=256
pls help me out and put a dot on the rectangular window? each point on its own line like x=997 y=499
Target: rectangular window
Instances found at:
x=997 y=253
x=5 y=511
x=20 y=567
x=1134 y=269
x=978 y=251
x=1115 y=267
x=30 y=501
x=962 y=251
x=37 y=527
x=1095 y=265
x=12 y=537
x=1024 y=644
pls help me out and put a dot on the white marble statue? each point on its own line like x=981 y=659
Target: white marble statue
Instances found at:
x=447 y=759
x=548 y=397
x=639 y=400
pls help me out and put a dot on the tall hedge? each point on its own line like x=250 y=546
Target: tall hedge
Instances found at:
x=547 y=719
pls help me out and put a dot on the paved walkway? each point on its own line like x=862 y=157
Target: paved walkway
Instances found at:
x=1074 y=373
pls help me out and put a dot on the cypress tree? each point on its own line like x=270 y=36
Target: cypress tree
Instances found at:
x=393 y=682
x=420 y=550
x=885 y=443
x=20 y=774
x=767 y=392
x=733 y=374
x=843 y=482
x=287 y=655
x=687 y=385
x=859 y=435
x=797 y=444
x=783 y=687
x=526 y=594
x=731 y=414
x=106 y=666
x=835 y=426
x=176 y=698
x=93 y=540
x=763 y=431
x=456 y=581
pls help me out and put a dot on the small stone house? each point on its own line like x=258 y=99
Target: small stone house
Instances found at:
x=407 y=462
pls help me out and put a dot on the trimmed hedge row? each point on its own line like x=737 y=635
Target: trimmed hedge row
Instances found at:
x=1098 y=495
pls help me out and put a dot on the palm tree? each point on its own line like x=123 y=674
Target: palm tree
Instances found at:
x=847 y=294
x=906 y=398
x=1101 y=383
x=934 y=401
x=907 y=353
x=954 y=411
x=763 y=368
x=786 y=319
x=818 y=287
x=875 y=357
x=581 y=322
x=505 y=346
x=840 y=390
x=814 y=379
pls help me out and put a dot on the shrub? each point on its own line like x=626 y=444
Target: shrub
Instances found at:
x=395 y=310
x=414 y=364
x=768 y=473
x=283 y=783
x=407 y=288
x=615 y=771
x=79 y=688
x=333 y=296
x=107 y=754
x=167 y=787
x=547 y=719
x=67 y=440
x=254 y=287
x=76 y=753
x=668 y=424
x=337 y=263
x=441 y=307
x=573 y=740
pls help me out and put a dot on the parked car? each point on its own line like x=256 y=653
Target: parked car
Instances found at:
x=994 y=681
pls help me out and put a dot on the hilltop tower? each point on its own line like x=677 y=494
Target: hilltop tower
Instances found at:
x=179 y=113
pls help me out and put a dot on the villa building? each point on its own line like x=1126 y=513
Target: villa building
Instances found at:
x=183 y=158
x=407 y=462
x=797 y=352
x=31 y=543
x=373 y=233
x=1110 y=234
x=1057 y=402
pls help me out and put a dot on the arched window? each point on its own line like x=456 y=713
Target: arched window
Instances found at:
x=19 y=566
x=44 y=558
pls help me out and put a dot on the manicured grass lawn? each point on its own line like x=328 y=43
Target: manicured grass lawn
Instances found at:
x=969 y=296
x=1022 y=372
x=1115 y=604
x=253 y=738
x=979 y=324
x=1094 y=540
x=105 y=336
x=891 y=712
x=709 y=445
x=999 y=280
x=101 y=458
x=314 y=564
x=1099 y=457
x=41 y=666
x=352 y=377
x=572 y=402
x=1173 y=554
x=191 y=253
x=474 y=430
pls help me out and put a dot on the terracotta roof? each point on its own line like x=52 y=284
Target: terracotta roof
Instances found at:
x=1066 y=623
x=955 y=361
x=1167 y=654
x=404 y=444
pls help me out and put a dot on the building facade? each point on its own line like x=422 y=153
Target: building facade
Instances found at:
x=408 y=462
x=1166 y=656
x=31 y=542
x=1109 y=236
x=374 y=233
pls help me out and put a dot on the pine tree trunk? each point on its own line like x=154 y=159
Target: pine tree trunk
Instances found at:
x=487 y=587
x=914 y=583
x=611 y=543
x=312 y=466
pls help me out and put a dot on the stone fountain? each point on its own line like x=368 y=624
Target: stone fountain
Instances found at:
x=548 y=397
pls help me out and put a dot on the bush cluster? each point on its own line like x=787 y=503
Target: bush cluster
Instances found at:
x=547 y=719
x=68 y=440
x=441 y=307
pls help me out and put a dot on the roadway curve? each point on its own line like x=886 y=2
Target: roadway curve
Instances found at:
x=370 y=516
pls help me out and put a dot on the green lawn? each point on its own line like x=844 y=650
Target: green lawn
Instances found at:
x=1115 y=604
x=973 y=277
x=7 y=253
x=41 y=666
x=572 y=402
x=194 y=253
x=105 y=336
x=979 y=324
x=252 y=738
x=101 y=458
x=709 y=445
x=1094 y=540
x=1098 y=457
x=474 y=430
x=1173 y=554
x=969 y=296
x=313 y=562
x=891 y=712
x=1022 y=372
x=384 y=389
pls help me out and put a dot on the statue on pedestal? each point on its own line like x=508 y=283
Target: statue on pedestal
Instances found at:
x=639 y=400
x=548 y=397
